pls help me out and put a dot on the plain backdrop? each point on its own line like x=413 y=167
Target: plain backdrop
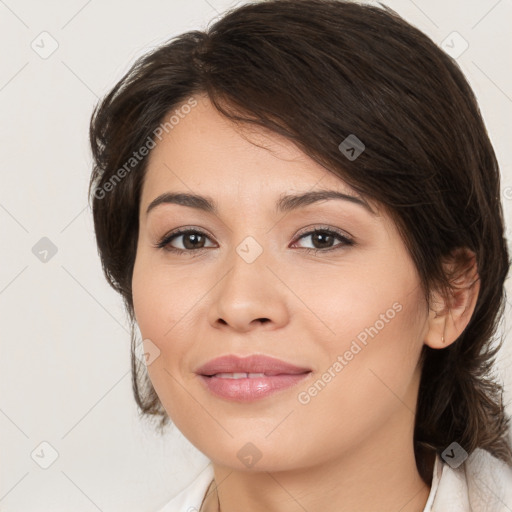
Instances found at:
x=65 y=392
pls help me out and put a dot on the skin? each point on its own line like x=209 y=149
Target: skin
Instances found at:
x=350 y=447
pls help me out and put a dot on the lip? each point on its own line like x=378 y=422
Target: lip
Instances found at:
x=279 y=375
x=256 y=363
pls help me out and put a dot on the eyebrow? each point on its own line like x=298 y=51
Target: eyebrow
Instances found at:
x=285 y=203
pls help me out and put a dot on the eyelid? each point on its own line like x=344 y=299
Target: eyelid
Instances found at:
x=323 y=227
x=164 y=242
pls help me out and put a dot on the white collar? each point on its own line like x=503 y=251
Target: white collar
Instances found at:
x=482 y=483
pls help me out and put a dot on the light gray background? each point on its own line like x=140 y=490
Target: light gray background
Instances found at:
x=64 y=374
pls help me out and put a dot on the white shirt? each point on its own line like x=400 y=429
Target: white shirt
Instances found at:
x=482 y=483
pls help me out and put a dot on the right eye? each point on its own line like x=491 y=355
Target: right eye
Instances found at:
x=192 y=240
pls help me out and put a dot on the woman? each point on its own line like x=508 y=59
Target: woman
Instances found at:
x=300 y=208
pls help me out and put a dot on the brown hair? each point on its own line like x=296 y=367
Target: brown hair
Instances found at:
x=316 y=71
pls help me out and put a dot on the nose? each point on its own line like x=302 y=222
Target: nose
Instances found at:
x=248 y=295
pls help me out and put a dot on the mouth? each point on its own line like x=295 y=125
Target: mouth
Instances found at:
x=249 y=378
x=249 y=366
x=238 y=375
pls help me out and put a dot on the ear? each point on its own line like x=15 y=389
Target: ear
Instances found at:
x=449 y=315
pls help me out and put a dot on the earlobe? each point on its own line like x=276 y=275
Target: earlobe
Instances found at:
x=435 y=337
x=449 y=316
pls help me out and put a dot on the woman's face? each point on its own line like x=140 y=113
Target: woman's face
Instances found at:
x=351 y=317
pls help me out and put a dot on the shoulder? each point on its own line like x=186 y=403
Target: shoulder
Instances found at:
x=489 y=482
x=481 y=483
x=191 y=497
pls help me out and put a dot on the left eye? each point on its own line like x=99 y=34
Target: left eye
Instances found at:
x=324 y=238
x=194 y=240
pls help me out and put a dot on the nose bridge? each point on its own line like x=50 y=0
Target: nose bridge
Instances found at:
x=249 y=290
x=249 y=249
x=249 y=276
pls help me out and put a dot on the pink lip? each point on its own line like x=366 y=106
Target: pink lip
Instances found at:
x=251 y=364
x=279 y=375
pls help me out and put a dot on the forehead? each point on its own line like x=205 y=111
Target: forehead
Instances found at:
x=205 y=152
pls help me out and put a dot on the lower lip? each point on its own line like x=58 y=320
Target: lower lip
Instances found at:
x=250 y=389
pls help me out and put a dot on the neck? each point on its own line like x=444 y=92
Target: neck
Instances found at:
x=380 y=474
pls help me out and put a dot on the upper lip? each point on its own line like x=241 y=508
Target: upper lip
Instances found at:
x=251 y=364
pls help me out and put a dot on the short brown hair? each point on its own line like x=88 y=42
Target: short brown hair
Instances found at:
x=316 y=71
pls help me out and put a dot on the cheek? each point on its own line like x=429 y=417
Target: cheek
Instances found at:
x=166 y=303
x=355 y=303
x=370 y=369
x=376 y=324
x=161 y=298
x=145 y=293
x=160 y=310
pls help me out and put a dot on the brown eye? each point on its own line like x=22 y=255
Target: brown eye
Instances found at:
x=191 y=239
x=323 y=239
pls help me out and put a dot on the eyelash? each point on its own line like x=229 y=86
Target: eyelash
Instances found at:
x=164 y=243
